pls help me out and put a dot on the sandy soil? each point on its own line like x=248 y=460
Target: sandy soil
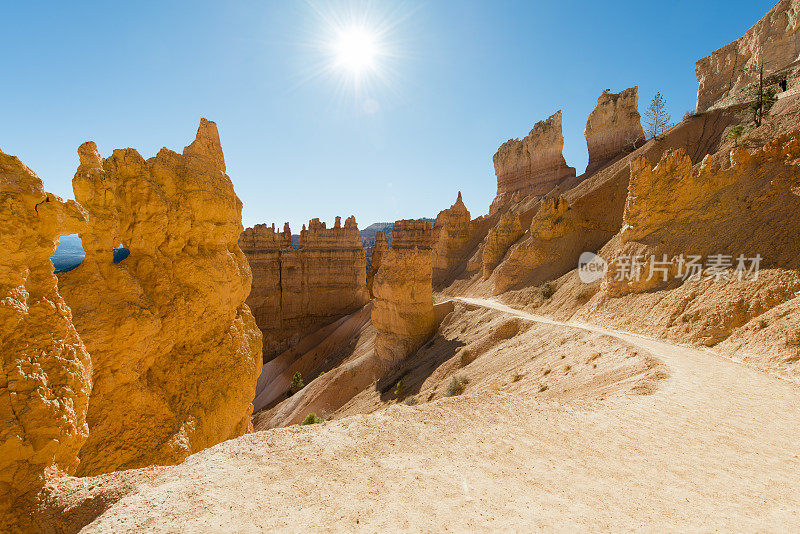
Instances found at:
x=714 y=447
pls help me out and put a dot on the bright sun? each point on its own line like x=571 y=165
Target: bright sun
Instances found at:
x=356 y=49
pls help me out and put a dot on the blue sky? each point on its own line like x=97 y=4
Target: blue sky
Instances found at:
x=458 y=79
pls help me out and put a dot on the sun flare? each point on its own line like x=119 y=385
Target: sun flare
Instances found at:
x=356 y=49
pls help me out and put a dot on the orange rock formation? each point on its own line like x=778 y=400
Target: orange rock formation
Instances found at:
x=673 y=209
x=508 y=230
x=176 y=352
x=379 y=251
x=403 y=311
x=46 y=370
x=727 y=76
x=613 y=127
x=296 y=291
x=533 y=166
x=454 y=240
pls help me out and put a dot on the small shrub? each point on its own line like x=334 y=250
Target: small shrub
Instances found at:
x=735 y=133
x=411 y=401
x=312 y=419
x=547 y=290
x=467 y=357
x=399 y=388
x=457 y=386
x=297 y=383
x=690 y=114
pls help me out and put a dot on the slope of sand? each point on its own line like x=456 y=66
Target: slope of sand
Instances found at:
x=714 y=446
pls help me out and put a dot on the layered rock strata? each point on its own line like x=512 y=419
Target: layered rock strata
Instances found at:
x=712 y=211
x=727 y=76
x=296 y=291
x=379 y=251
x=507 y=231
x=587 y=216
x=532 y=166
x=175 y=350
x=454 y=240
x=403 y=310
x=46 y=371
x=614 y=127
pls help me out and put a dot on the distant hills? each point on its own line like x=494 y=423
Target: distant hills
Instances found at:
x=70 y=254
x=368 y=233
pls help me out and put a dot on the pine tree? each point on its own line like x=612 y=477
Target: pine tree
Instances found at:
x=656 y=117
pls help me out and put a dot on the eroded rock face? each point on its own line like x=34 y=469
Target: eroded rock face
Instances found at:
x=176 y=351
x=403 y=311
x=296 y=291
x=724 y=75
x=614 y=127
x=379 y=251
x=532 y=166
x=46 y=373
x=507 y=231
x=454 y=241
x=673 y=209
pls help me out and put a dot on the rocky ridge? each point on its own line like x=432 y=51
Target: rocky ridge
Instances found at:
x=174 y=348
x=46 y=370
x=403 y=308
x=531 y=166
x=297 y=290
x=614 y=127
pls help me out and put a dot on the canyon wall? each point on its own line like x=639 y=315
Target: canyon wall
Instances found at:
x=614 y=127
x=379 y=251
x=175 y=350
x=508 y=230
x=46 y=370
x=674 y=210
x=296 y=291
x=585 y=217
x=403 y=310
x=532 y=166
x=727 y=76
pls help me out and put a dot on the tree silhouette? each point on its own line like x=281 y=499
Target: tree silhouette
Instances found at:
x=656 y=117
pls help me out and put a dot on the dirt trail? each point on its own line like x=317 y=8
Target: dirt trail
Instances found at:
x=714 y=448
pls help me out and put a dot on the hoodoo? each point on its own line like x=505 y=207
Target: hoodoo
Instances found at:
x=296 y=291
x=175 y=350
x=403 y=312
x=614 y=127
x=532 y=166
x=46 y=370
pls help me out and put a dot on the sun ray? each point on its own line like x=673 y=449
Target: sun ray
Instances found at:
x=356 y=47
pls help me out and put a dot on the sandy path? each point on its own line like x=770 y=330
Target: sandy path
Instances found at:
x=715 y=448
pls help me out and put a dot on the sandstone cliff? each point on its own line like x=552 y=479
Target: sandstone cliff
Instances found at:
x=379 y=251
x=508 y=230
x=403 y=310
x=175 y=350
x=774 y=41
x=533 y=166
x=453 y=240
x=296 y=291
x=46 y=370
x=614 y=127
x=736 y=203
